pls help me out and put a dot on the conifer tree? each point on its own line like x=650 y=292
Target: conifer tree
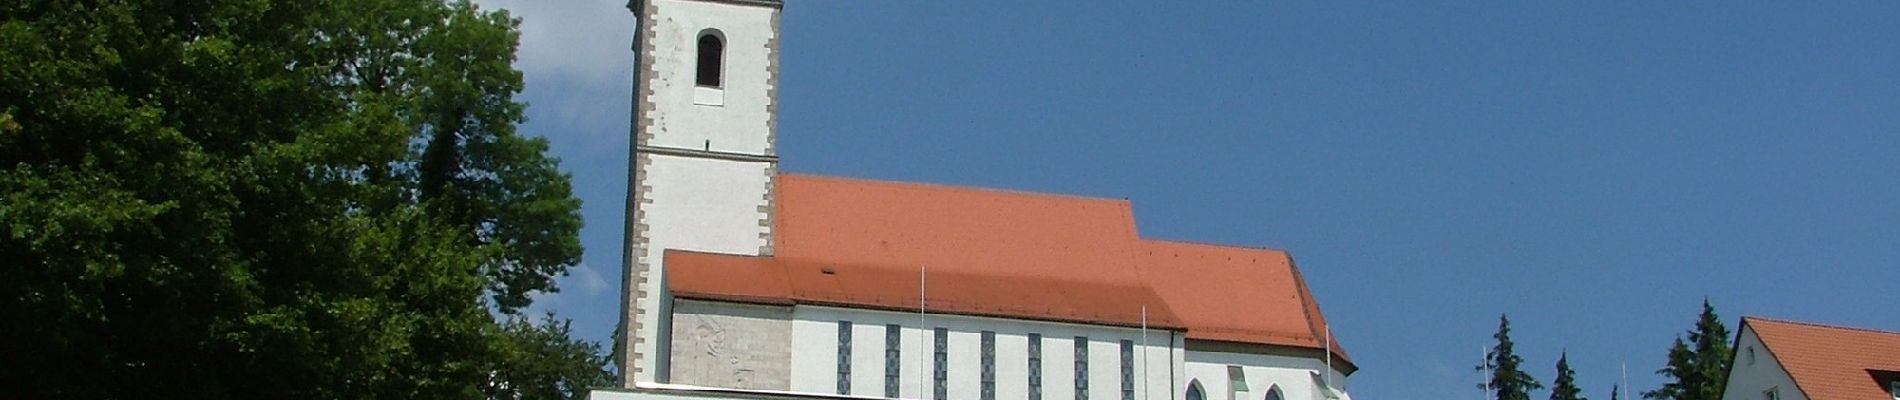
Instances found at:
x=1698 y=367
x=1614 y=389
x=1565 y=386
x=1508 y=379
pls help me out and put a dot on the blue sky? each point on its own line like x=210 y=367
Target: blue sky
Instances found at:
x=1594 y=169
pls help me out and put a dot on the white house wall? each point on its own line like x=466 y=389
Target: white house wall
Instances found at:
x=1749 y=378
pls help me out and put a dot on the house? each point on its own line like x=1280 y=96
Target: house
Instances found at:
x=1789 y=360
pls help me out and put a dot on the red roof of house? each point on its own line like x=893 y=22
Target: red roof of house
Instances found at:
x=989 y=252
x=1831 y=362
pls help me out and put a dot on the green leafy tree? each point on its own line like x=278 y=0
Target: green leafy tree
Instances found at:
x=1564 y=387
x=260 y=199
x=1508 y=381
x=1698 y=367
x=542 y=362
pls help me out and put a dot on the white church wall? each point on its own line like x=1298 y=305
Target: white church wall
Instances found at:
x=739 y=120
x=705 y=205
x=815 y=349
x=1294 y=375
x=1756 y=371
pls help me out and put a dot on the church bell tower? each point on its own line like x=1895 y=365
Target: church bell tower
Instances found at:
x=703 y=164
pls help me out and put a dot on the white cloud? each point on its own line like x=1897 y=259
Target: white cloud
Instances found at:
x=578 y=65
x=590 y=281
x=581 y=40
x=582 y=289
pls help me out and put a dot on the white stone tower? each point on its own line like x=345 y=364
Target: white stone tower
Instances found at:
x=703 y=165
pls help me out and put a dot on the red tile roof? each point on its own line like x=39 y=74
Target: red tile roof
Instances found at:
x=1004 y=253
x=1281 y=310
x=1831 y=362
x=779 y=280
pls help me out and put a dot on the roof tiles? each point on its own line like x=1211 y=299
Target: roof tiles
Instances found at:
x=853 y=242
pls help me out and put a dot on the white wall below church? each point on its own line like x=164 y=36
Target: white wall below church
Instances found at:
x=1750 y=377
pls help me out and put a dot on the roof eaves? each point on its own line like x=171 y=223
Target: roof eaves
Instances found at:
x=1350 y=366
x=762 y=300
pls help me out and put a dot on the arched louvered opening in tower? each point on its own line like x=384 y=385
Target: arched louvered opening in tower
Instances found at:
x=712 y=57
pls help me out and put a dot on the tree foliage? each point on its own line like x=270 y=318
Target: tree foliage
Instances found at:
x=1564 y=387
x=251 y=199
x=542 y=362
x=1508 y=381
x=1698 y=367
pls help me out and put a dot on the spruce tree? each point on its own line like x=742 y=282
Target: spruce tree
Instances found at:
x=1614 y=389
x=1565 y=386
x=1698 y=367
x=1508 y=380
x=1712 y=353
x=1681 y=373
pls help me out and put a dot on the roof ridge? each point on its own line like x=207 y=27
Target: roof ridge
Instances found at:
x=1213 y=244
x=969 y=188
x=1745 y=318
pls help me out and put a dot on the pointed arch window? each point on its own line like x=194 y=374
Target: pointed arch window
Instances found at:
x=712 y=58
x=1273 y=393
x=1194 y=391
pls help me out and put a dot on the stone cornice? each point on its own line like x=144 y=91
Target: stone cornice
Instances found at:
x=696 y=153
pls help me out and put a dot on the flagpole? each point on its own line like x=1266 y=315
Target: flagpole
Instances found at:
x=1484 y=360
x=922 y=270
x=1328 y=331
x=1626 y=380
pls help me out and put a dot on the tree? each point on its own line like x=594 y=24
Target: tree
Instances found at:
x=251 y=199
x=1564 y=387
x=1681 y=372
x=1613 y=392
x=1508 y=381
x=1698 y=367
x=542 y=362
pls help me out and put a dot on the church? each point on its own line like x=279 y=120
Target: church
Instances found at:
x=746 y=282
